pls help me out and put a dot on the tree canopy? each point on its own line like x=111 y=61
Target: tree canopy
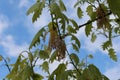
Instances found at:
x=50 y=42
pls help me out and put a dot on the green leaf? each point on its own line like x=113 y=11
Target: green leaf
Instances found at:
x=37 y=76
x=23 y=71
x=75 y=58
x=93 y=15
x=67 y=74
x=43 y=54
x=1 y=58
x=36 y=15
x=77 y=3
x=112 y=54
x=26 y=72
x=105 y=78
x=94 y=71
x=90 y=56
x=106 y=45
x=53 y=56
x=31 y=58
x=117 y=30
x=79 y=12
x=33 y=8
x=36 y=53
x=89 y=10
x=92 y=1
x=14 y=70
x=71 y=29
x=45 y=66
x=77 y=42
x=59 y=71
x=38 y=11
x=55 y=9
x=93 y=37
x=75 y=47
x=115 y=7
x=74 y=24
x=88 y=29
x=91 y=73
x=62 y=6
x=93 y=68
x=36 y=39
x=65 y=18
x=63 y=21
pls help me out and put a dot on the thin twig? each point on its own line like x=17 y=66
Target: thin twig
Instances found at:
x=115 y=36
x=92 y=4
x=35 y=62
x=6 y=63
x=89 y=22
x=73 y=63
x=98 y=2
x=58 y=28
x=103 y=33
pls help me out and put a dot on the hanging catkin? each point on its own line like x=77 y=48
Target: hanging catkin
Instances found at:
x=55 y=42
x=102 y=22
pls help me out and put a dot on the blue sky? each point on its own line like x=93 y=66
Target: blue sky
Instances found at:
x=17 y=31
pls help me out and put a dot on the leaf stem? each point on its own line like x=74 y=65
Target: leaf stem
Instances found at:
x=73 y=63
x=58 y=28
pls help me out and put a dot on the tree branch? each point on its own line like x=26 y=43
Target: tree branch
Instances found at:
x=89 y=22
x=94 y=19
x=35 y=61
x=6 y=63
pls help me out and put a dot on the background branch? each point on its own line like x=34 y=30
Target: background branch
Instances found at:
x=89 y=22
x=6 y=63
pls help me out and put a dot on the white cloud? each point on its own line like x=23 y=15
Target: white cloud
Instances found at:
x=96 y=46
x=86 y=43
x=53 y=66
x=116 y=44
x=113 y=73
x=11 y=48
x=70 y=4
x=24 y=3
x=4 y=23
x=41 y=22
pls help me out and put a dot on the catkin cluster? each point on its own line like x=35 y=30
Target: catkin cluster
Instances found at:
x=103 y=21
x=55 y=42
